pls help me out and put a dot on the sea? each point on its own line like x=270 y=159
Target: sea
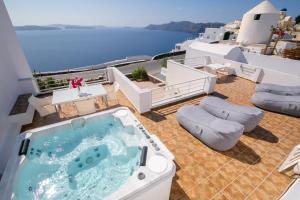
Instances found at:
x=52 y=50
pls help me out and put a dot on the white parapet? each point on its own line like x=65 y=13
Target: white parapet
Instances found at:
x=179 y=73
x=140 y=98
x=15 y=79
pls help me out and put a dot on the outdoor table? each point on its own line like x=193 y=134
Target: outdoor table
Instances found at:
x=74 y=94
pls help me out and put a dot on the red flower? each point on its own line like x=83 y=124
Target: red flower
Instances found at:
x=279 y=32
x=76 y=82
x=79 y=82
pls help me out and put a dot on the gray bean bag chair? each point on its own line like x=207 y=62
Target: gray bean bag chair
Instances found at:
x=279 y=89
x=245 y=115
x=278 y=103
x=217 y=133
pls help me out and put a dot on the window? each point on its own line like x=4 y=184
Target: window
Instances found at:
x=257 y=17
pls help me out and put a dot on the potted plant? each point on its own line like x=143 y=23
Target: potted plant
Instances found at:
x=164 y=63
x=139 y=74
x=77 y=83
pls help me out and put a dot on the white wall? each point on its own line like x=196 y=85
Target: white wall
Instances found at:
x=214 y=34
x=252 y=66
x=273 y=62
x=276 y=69
x=196 y=51
x=140 y=98
x=13 y=53
x=179 y=73
x=247 y=71
x=265 y=71
x=13 y=67
x=276 y=77
x=195 y=58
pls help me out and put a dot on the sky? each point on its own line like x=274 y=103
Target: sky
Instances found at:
x=136 y=13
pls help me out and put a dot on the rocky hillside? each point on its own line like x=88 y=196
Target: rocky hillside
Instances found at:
x=185 y=26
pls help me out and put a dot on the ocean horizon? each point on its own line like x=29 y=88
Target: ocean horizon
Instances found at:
x=52 y=50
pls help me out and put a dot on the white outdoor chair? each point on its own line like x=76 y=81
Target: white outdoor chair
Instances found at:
x=112 y=93
x=227 y=64
x=207 y=60
x=293 y=160
x=210 y=70
x=42 y=105
x=228 y=70
x=85 y=107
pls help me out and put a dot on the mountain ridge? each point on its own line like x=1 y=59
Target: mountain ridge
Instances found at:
x=54 y=27
x=185 y=26
x=181 y=26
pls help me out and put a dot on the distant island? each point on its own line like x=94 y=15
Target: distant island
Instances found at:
x=185 y=26
x=37 y=28
x=53 y=27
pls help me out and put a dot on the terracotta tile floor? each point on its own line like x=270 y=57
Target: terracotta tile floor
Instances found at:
x=248 y=171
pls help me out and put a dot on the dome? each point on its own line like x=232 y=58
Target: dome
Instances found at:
x=265 y=7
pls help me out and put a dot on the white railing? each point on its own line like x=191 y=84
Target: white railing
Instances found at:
x=48 y=82
x=243 y=70
x=171 y=93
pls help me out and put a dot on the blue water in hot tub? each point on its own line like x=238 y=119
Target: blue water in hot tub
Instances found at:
x=86 y=160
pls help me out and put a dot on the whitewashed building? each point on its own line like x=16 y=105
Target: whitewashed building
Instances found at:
x=257 y=24
x=15 y=79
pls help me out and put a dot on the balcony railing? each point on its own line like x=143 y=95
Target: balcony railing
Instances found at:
x=52 y=81
x=171 y=93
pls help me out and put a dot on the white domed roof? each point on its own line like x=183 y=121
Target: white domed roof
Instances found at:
x=264 y=7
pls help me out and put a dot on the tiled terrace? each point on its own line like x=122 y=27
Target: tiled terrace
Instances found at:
x=248 y=171
x=146 y=84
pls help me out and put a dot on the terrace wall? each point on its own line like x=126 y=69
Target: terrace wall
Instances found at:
x=276 y=69
x=15 y=79
x=255 y=67
x=179 y=73
x=140 y=98
x=265 y=73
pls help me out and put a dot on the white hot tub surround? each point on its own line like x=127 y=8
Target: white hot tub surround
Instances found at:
x=152 y=181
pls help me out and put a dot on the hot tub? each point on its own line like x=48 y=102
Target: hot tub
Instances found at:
x=107 y=155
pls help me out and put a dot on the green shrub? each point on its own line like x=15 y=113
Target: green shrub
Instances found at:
x=43 y=87
x=50 y=79
x=164 y=63
x=41 y=84
x=50 y=82
x=139 y=74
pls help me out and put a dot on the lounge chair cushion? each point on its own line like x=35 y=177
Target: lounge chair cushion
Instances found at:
x=279 y=89
x=245 y=115
x=217 y=133
x=278 y=103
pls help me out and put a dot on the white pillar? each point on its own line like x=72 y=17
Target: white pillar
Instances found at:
x=110 y=75
x=210 y=83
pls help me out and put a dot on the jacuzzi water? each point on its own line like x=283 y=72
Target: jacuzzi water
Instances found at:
x=87 y=159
